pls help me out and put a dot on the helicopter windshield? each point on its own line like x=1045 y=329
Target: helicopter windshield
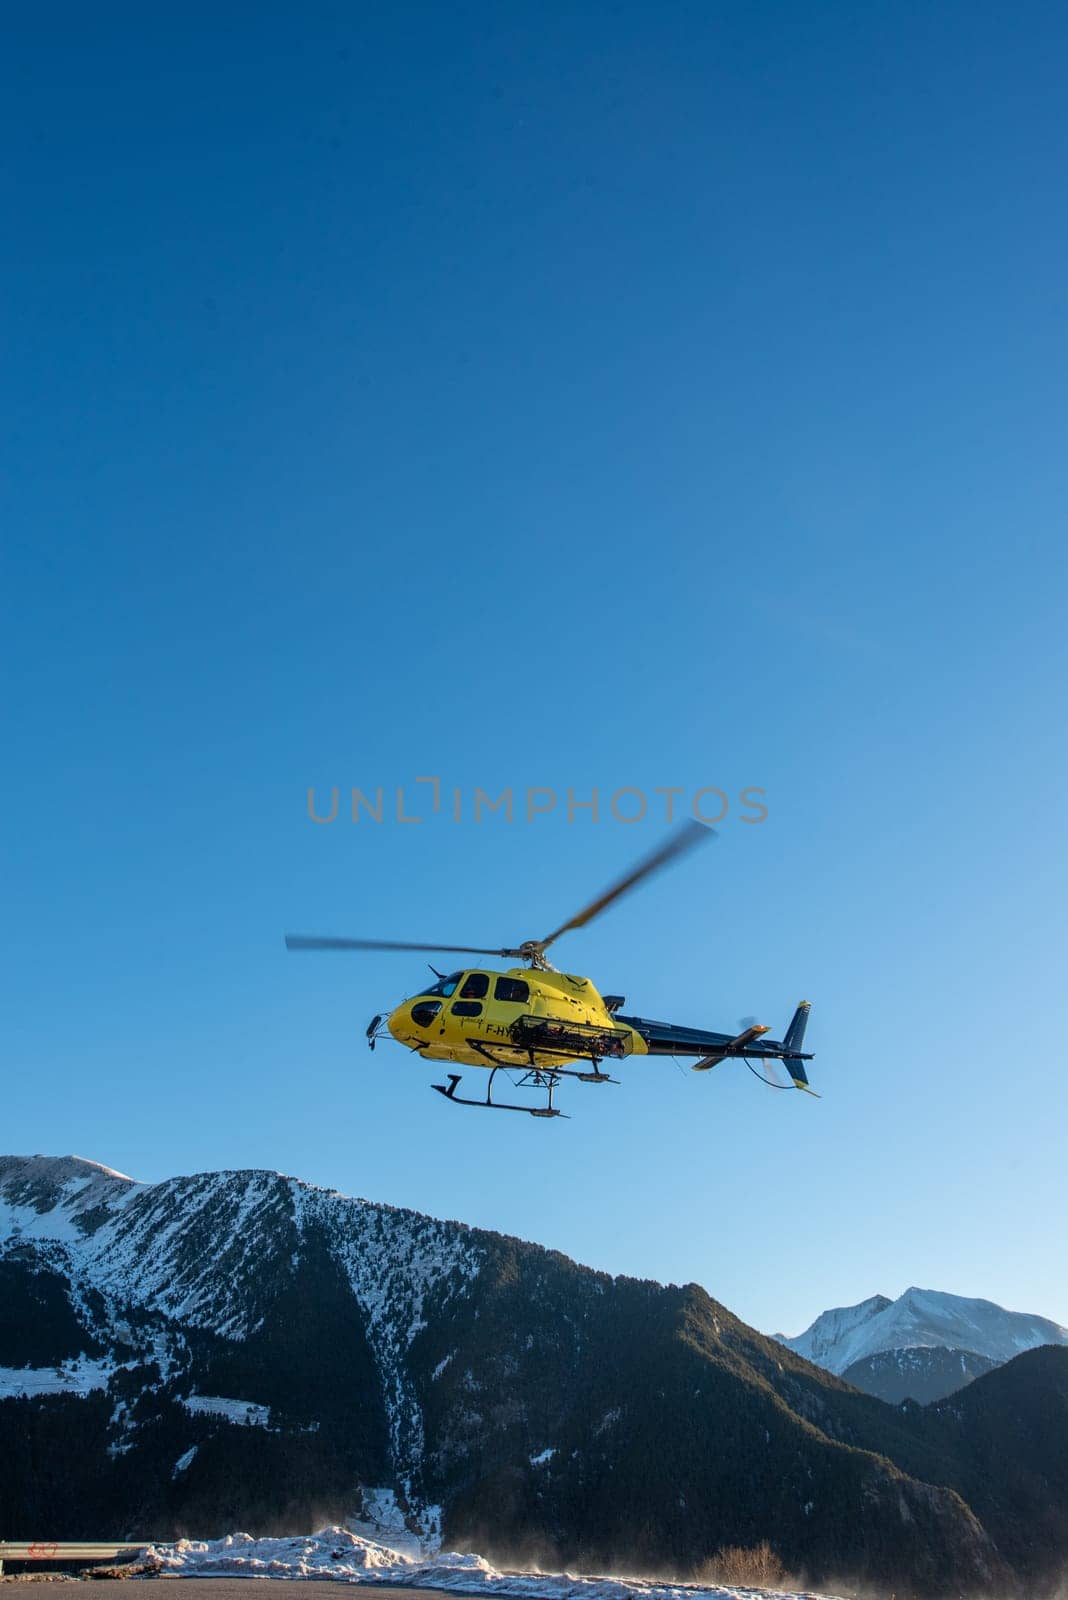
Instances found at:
x=446 y=987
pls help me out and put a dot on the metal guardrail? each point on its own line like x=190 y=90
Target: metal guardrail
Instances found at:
x=51 y=1550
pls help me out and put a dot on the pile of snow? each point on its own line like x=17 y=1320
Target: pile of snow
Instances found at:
x=338 y=1553
x=384 y=1523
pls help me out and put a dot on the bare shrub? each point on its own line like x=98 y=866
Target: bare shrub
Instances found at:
x=745 y=1567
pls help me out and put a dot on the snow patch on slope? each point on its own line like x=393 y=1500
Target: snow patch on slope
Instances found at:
x=245 y=1413
x=78 y=1377
x=56 y=1197
x=394 y=1261
x=157 y=1252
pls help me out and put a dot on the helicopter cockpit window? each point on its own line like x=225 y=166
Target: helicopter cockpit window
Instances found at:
x=513 y=989
x=447 y=986
x=466 y=1008
x=476 y=987
x=424 y=1012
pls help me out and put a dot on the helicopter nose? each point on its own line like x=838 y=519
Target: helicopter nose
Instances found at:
x=413 y=1019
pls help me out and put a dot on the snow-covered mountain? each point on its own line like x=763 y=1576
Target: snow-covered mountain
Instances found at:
x=921 y=1317
x=925 y=1344
x=151 y=1266
x=241 y=1349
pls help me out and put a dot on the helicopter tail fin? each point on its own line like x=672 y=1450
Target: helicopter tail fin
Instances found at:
x=795 y=1033
x=795 y=1037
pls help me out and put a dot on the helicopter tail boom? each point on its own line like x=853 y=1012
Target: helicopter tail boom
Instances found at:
x=667 y=1038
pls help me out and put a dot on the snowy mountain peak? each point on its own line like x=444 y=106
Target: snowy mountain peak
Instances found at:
x=922 y=1319
x=833 y=1330
x=56 y=1170
x=57 y=1196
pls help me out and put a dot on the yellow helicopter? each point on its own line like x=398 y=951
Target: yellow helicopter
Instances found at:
x=539 y=1025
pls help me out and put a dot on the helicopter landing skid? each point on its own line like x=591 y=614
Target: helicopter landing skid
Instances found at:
x=540 y=1080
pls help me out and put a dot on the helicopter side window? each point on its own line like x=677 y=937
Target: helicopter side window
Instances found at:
x=513 y=989
x=424 y=1013
x=466 y=1008
x=447 y=986
x=476 y=987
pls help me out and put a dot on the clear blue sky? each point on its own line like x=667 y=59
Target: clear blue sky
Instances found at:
x=618 y=394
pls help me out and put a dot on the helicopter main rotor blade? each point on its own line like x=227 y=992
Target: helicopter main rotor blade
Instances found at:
x=681 y=840
x=304 y=941
x=532 y=950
